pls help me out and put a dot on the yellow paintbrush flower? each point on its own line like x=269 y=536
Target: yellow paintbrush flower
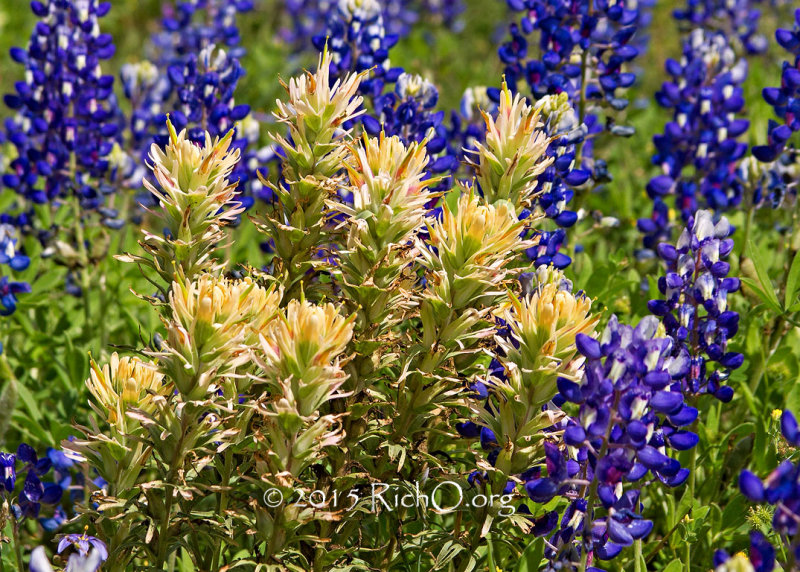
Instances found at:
x=315 y=114
x=302 y=347
x=196 y=199
x=545 y=326
x=475 y=244
x=386 y=181
x=389 y=196
x=540 y=349
x=194 y=181
x=513 y=155
x=225 y=305
x=122 y=383
x=477 y=233
x=300 y=361
x=215 y=322
x=314 y=101
x=738 y=563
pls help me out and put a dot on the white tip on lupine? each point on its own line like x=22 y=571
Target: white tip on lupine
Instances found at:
x=703 y=225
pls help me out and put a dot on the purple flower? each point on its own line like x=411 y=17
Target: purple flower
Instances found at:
x=735 y=18
x=782 y=490
x=309 y=17
x=581 y=51
x=777 y=180
x=76 y=562
x=34 y=492
x=699 y=151
x=66 y=115
x=8 y=464
x=193 y=79
x=631 y=413
x=83 y=543
x=694 y=305
x=8 y=294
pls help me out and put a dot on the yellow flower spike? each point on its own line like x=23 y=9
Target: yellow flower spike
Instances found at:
x=193 y=172
x=478 y=233
x=738 y=563
x=474 y=245
x=514 y=153
x=301 y=350
x=196 y=200
x=387 y=182
x=545 y=326
x=214 y=325
x=315 y=108
x=227 y=307
x=123 y=382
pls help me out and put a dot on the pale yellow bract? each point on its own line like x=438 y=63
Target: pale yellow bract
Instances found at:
x=314 y=101
x=122 y=382
x=238 y=309
x=738 y=563
x=513 y=155
x=307 y=334
x=548 y=322
x=387 y=179
x=194 y=179
x=477 y=233
x=300 y=355
x=214 y=325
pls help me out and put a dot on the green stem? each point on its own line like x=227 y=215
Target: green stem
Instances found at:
x=84 y=260
x=388 y=556
x=473 y=544
x=276 y=540
x=592 y=498
x=582 y=104
x=8 y=395
x=425 y=364
x=498 y=482
x=173 y=556
x=665 y=539
x=748 y=224
x=222 y=504
x=169 y=491
x=637 y=549
x=162 y=532
x=692 y=482
x=18 y=547
x=5 y=369
x=580 y=194
x=490 y=552
x=587 y=519
x=773 y=342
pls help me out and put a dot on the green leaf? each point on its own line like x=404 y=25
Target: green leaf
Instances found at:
x=531 y=557
x=31 y=417
x=451 y=199
x=792 y=281
x=674 y=566
x=8 y=402
x=48 y=281
x=449 y=551
x=768 y=297
x=763 y=276
x=735 y=511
